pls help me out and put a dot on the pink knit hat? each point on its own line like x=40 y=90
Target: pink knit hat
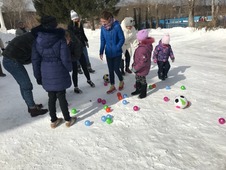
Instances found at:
x=142 y=35
x=166 y=39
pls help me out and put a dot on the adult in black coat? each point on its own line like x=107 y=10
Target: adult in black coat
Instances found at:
x=15 y=56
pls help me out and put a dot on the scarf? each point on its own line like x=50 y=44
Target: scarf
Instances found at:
x=108 y=25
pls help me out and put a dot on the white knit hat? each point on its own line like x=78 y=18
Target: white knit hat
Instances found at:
x=166 y=39
x=129 y=21
x=74 y=15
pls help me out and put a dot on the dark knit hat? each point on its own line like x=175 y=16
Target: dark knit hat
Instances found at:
x=49 y=22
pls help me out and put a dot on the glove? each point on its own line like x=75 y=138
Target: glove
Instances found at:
x=87 y=44
x=155 y=61
x=39 y=81
x=133 y=70
x=173 y=60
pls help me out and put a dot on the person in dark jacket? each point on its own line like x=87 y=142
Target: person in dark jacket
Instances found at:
x=163 y=51
x=15 y=56
x=76 y=51
x=112 y=40
x=142 y=62
x=76 y=27
x=51 y=62
x=21 y=28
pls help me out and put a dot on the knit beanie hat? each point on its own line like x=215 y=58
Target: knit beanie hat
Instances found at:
x=166 y=39
x=129 y=21
x=74 y=15
x=142 y=35
x=49 y=22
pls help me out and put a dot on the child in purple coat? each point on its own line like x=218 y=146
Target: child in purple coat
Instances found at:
x=142 y=62
x=161 y=56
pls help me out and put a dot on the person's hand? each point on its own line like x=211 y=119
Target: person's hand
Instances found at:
x=39 y=81
x=173 y=60
x=87 y=44
x=101 y=56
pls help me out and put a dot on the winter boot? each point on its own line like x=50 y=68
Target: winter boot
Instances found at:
x=71 y=122
x=37 y=111
x=138 y=88
x=111 y=90
x=121 y=85
x=77 y=90
x=90 y=70
x=56 y=123
x=39 y=106
x=90 y=83
x=1 y=73
x=143 y=91
x=128 y=70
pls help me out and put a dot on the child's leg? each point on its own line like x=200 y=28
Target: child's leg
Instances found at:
x=75 y=73
x=138 y=86
x=52 y=105
x=143 y=90
x=61 y=95
x=160 y=70
x=127 y=56
x=166 y=69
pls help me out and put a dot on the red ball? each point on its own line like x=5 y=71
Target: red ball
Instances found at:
x=108 y=109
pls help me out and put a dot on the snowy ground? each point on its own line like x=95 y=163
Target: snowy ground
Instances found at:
x=157 y=137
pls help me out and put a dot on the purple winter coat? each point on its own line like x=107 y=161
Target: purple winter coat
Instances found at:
x=142 y=57
x=162 y=52
x=51 y=60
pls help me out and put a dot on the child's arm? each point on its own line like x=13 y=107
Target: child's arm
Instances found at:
x=171 y=54
x=155 y=54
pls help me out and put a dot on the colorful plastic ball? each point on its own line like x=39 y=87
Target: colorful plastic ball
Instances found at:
x=135 y=108
x=109 y=116
x=182 y=87
x=168 y=88
x=105 y=107
x=124 y=102
x=103 y=101
x=153 y=86
x=119 y=94
x=166 y=99
x=119 y=97
x=87 y=123
x=103 y=118
x=109 y=120
x=99 y=100
x=221 y=120
x=106 y=78
x=150 y=86
x=73 y=111
x=108 y=109
x=105 y=83
x=125 y=96
x=181 y=102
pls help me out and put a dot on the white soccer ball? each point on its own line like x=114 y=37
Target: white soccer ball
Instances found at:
x=181 y=102
x=106 y=78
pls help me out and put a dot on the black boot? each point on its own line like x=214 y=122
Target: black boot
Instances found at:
x=143 y=91
x=138 y=88
x=90 y=70
x=37 y=111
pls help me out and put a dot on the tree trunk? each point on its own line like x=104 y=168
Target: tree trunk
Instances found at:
x=157 y=16
x=92 y=24
x=191 y=8
x=135 y=17
x=139 y=19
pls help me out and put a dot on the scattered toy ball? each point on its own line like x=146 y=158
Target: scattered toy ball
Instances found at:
x=124 y=102
x=150 y=86
x=103 y=101
x=109 y=120
x=221 y=120
x=105 y=83
x=125 y=96
x=73 y=111
x=105 y=107
x=166 y=99
x=153 y=86
x=99 y=100
x=181 y=102
x=182 y=88
x=108 y=109
x=103 y=118
x=87 y=123
x=168 y=88
x=109 y=116
x=106 y=78
x=135 y=108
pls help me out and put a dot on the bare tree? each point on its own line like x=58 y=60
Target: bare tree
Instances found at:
x=14 y=10
x=191 y=11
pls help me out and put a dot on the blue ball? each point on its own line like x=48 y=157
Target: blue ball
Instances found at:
x=87 y=123
x=103 y=118
x=109 y=116
x=124 y=102
x=125 y=96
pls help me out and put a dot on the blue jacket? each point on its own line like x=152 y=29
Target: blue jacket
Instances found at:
x=112 y=40
x=51 y=60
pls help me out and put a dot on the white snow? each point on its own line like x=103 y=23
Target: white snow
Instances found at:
x=157 y=137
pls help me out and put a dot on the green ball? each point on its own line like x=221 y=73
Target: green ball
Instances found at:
x=150 y=86
x=182 y=87
x=105 y=107
x=73 y=111
x=109 y=120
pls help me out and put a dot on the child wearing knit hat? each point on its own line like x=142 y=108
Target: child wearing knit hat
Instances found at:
x=142 y=62
x=161 y=56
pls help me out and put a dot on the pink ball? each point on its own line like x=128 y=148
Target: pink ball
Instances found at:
x=221 y=121
x=103 y=101
x=99 y=100
x=166 y=99
x=135 y=108
x=105 y=83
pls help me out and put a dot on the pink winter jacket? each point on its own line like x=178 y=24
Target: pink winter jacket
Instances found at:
x=142 y=57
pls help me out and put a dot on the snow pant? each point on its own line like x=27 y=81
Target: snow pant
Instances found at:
x=163 y=69
x=18 y=71
x=82 y=61
x=113 y=67
x=85 y=52
x=127 y=60
x=61 y=96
